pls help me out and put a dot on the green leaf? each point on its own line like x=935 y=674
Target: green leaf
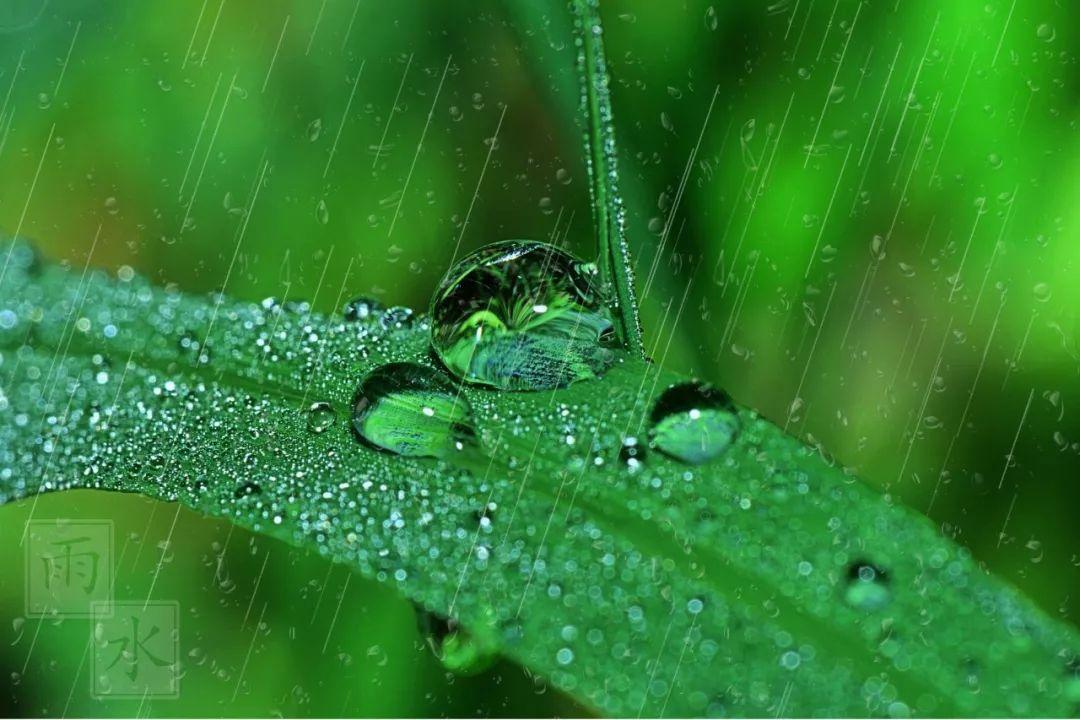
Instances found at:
x=768 y=581
x=608 y=213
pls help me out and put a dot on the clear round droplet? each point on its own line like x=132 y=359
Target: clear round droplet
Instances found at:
x=412 y=410
x=1046 y=32
x=320 y=417
x=361 y=308
x=867 y=587
x=459 y=651
x=693 y=422
x=522 y=315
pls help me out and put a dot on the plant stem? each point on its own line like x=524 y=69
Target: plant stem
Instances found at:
x=608 y=212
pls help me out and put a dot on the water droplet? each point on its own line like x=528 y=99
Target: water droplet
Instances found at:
x=711 y=19
x=412 y=410
x=397 y=317
x=1046 y=32
x=193 y=349
x=320 y=417
x=522 y=315
x=361 y=308
x=457 y=649
x=693 y=422
x=1042 y=292
x=322 y=213
x=867 y=587
x=632 y=453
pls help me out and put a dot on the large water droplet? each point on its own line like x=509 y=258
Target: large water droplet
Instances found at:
x=867 y=587
x=457 y=649
x=693 y=422
x=522 y=315
x=412 y=410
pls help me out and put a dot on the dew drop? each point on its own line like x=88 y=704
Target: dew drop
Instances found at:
x=1046 y=32
x=412 y=410
x=396 y=318
x=193 y=349
x=867 y=587
x=320 y=417
x=522 y=315
x=360 y=309
x=632 y=453
x=711 y=19
x=459 y=651
x=693 y=422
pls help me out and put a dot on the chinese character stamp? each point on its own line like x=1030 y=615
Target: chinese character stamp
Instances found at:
x=136 y=647
x=69 y=567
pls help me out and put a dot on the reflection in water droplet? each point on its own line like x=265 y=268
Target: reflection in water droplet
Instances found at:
x=457 y=649
x=693 y=422
x=412 y=410
x=867 y=587
x=522 y=315
x=320 y=417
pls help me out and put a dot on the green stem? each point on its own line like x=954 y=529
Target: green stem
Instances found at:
x=608 y=213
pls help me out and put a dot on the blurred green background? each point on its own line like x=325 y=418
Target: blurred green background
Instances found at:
x=862 y=218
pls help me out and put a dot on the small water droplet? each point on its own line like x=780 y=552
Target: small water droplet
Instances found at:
x=397 y=317
x=361 y=308
x=632 y=453
x=867 y=587
x=247 y=489
x=459 y=651
x=320 y=417
x=522 y=315
x=322 y=213
x=412 y=410
x=1042 y=292
x=693 y=422
x=711 y=19
x=193 y=349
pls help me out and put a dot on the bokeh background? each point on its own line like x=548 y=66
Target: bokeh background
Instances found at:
x=861 y=217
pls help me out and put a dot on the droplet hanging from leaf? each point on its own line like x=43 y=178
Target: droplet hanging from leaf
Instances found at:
x=460 y=651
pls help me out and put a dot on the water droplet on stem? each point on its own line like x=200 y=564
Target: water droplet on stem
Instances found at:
x=522 y=315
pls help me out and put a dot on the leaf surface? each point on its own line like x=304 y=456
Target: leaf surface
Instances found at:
x=738 y=587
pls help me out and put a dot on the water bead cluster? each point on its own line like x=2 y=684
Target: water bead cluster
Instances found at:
x=521 y=316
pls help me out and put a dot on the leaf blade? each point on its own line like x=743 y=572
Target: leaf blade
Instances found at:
x=671 y=590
